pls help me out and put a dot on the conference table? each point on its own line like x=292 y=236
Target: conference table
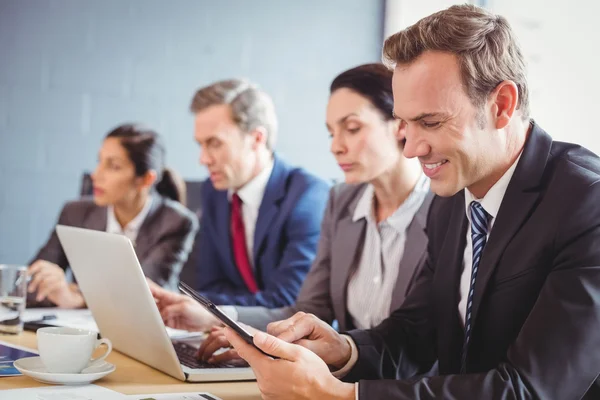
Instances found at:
x=133 y=377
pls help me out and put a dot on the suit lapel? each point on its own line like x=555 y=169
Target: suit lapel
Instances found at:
x=448 y=267
x=520 y=197
x=144 y=240
x=269 y=207
x=345 y=252
x=414 y=248
x=96 y=219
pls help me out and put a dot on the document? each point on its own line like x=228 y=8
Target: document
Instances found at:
x=10 y=353
x=174 y=396
x=83 y=319
x=86 y=392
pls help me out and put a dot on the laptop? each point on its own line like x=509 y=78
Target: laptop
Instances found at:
x=114 y=287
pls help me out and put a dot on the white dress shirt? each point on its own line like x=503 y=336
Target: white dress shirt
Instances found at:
x=132 y=229
x=251 y=195
x=382 y=252
x=491 y=204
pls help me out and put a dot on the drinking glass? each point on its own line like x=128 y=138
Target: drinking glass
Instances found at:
x=13 y=295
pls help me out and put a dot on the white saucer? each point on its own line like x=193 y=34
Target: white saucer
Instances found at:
x=34 y=368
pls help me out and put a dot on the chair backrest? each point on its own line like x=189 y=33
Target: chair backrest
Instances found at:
x=193 y=199
x=87 y=186
x=189 y=272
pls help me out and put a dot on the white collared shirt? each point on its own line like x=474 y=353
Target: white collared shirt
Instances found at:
x=251 y=195
x=132 y=229
x=382 y=252
x=491 y=204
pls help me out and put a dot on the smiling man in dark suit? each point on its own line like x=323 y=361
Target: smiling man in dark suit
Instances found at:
x=508 y=301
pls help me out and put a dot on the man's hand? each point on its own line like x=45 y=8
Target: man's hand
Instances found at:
x=214 y=341
x=49 y=281
x=181 y=312
x=309 y=331
x=297 y=374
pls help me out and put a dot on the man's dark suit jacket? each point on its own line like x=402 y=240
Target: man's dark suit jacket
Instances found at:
x=163 y=243
x=285 y=240
x=536 y=308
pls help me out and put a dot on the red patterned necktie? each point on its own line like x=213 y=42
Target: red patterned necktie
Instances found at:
x=238 y=239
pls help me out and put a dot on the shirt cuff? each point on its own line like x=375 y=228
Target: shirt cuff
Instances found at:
x=356 y=391
x=230 y=311
x=340 y=373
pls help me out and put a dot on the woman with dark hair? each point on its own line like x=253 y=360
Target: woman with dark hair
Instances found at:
x=372 y=235
x=134 y=195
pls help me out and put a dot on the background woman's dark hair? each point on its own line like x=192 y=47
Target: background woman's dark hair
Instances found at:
x=373 y=81
x=147 y=152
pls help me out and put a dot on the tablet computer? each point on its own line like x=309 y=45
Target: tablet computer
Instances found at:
x=221 y=316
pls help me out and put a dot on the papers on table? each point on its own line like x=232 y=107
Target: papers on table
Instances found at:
x=86 y=392
x=10 y=353
x=83 y=319
x=174 y=396
x=93 y=392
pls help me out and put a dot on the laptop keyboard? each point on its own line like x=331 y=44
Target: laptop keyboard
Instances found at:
x=187 y=356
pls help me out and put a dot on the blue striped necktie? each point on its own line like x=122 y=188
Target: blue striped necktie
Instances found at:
x=479 y=229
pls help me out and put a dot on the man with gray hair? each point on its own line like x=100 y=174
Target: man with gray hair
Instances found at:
x=508 y=300
x=261 y=218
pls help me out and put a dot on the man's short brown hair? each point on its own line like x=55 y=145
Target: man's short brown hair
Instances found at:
x=484 y=43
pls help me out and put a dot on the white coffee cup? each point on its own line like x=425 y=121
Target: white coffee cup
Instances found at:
x=69 y=350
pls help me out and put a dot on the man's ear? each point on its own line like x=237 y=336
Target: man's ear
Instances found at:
x=259 y=137
x=504 y=103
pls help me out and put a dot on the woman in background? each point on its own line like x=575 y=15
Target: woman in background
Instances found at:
x=134 y=195
x=372 y=235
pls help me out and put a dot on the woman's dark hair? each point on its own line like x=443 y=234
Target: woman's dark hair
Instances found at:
x=147 y=152
x=373 y=81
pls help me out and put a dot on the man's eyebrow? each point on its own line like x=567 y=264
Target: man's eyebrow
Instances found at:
x=421 y=116
x=427 y=115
